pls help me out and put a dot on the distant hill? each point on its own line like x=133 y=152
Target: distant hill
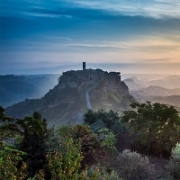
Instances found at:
x=172 y=100
x=157 y=91
x=130 y=82
x=165 y=90
x=170 y=82
x=76 y=92
x=14 y=88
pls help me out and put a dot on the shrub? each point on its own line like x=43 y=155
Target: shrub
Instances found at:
x=64 y=157
x=96 y=172
x=91 y=146
x=134 y=166
x=108 y=118
x=174 y=163
x=11 y=165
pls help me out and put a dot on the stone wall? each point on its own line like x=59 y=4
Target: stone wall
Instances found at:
x=97 y=75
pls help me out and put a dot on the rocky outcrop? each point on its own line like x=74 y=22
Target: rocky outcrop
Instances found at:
x=76 y=92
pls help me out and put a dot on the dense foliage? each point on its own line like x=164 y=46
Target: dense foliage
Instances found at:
x=30 y=150
x=34 y=132
x=156 y=127
x=108 y=118
x=64 y=155
x=174 y=163
x=109 y=125
x=41 y=153
x=11 y=165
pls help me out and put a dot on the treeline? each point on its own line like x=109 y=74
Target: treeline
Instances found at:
x=31 y=150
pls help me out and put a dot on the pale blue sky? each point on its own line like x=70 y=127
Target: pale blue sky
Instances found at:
x=129 y=36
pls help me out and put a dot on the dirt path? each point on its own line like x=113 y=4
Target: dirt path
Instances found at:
x=88 y=102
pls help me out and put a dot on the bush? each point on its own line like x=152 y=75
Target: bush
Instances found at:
x=108 y=118
x=72 y=150
x=64 y=156
x=11 y=165
x=91 y=146
x=96 y=172
x=135 y=167
x=174 y=163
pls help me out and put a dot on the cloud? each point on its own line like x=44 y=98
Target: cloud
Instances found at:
x=158 y=9
x=151 y=8
x=103 y=31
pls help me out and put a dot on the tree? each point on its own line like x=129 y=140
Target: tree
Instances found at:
x=11 y=165
x=63 y=155
x=8 y=127
x=156 y=127
x=34 y=131
x=108 y=118
x=91 y=145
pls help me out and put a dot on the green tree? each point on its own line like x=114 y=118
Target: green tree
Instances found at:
x=11 y=165
x=156 y=127
x=34 y=130
x=108 y=118
x=64 y=155
x=92 y=147
x=8 y=127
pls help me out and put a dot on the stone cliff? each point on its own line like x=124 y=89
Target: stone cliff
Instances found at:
x=76 y=92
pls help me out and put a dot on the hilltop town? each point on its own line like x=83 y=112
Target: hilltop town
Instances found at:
x=76 y=92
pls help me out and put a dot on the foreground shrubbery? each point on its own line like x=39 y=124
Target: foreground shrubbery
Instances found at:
x=98 y=172
x=135 y=167
x=65 y=153
x=156 y=127
x=78 y=152
x=11 y=165
x=174 y=164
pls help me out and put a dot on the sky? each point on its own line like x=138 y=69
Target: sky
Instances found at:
x=50 y=36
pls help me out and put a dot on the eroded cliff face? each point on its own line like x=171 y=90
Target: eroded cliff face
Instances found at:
x=76 y=92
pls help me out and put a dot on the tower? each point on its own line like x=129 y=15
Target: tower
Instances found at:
x=84 y=65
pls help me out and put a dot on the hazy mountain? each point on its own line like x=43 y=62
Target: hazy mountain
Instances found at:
x=157 y=91
x=76 y=92
x=130 y=82
x=14 y=88
x=164 y=90
x=169 y=82
x=172 y=100
x=144 y=77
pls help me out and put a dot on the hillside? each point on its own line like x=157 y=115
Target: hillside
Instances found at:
x=163 y=89
x=157 y=91
x=173 y=100
x=170 y=82
x=14 y=88
x=76 y=92
x=130 y=82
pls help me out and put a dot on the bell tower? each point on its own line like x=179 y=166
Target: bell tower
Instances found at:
x=84 y=66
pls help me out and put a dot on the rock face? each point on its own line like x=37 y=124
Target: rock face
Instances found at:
x=76 y=92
